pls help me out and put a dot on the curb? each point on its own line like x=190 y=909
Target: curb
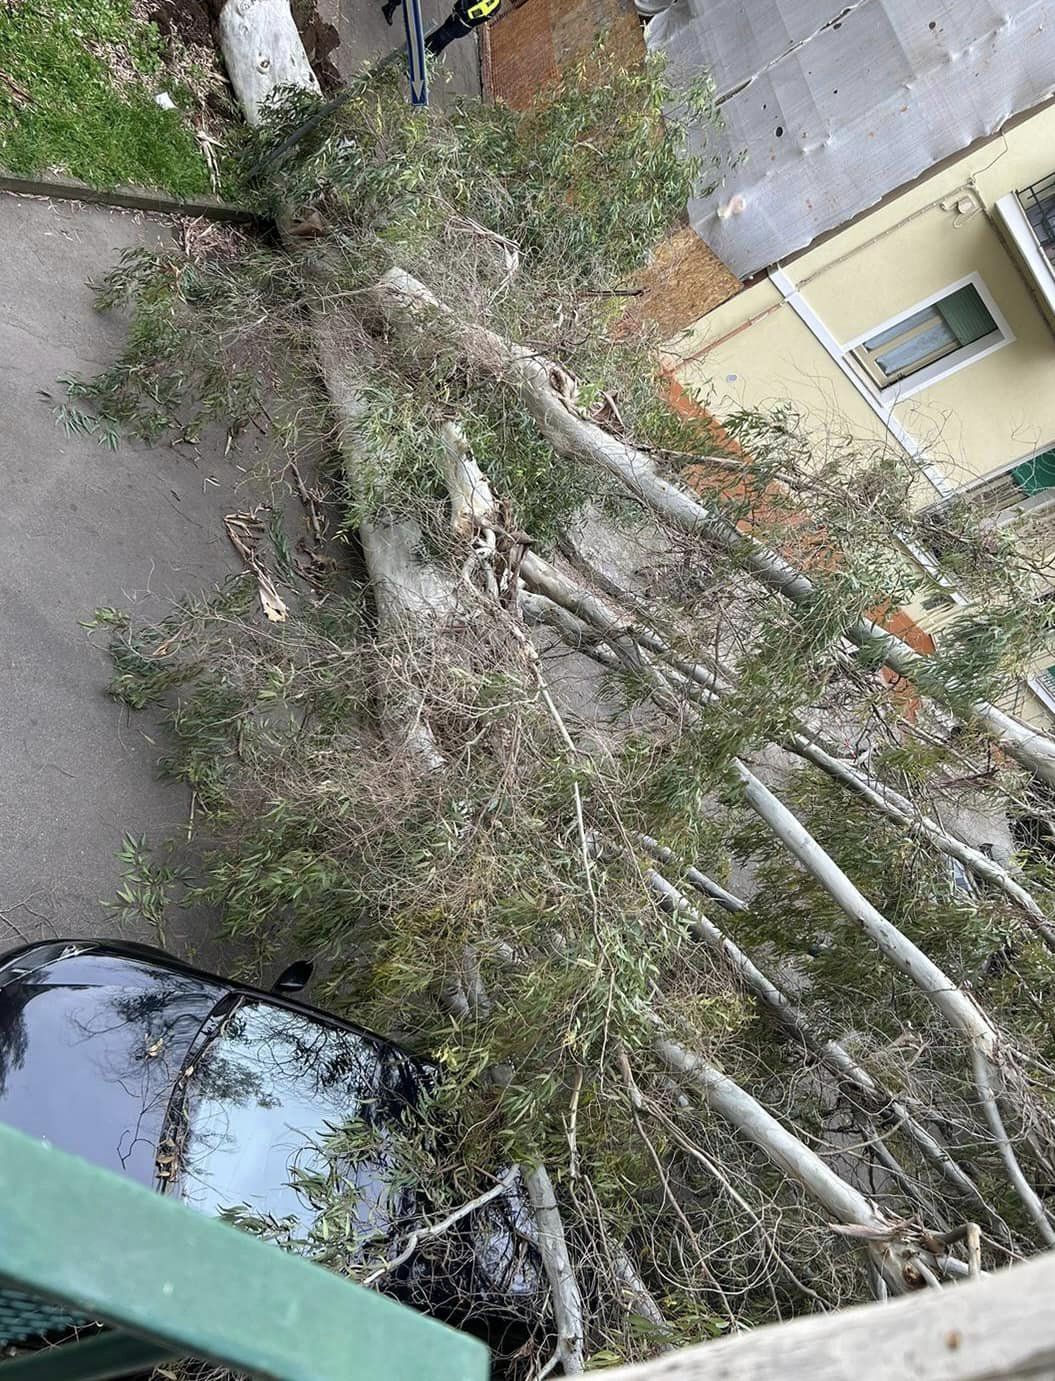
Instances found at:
x=124 y=198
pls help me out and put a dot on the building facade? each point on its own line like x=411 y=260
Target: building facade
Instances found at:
x=912 y=307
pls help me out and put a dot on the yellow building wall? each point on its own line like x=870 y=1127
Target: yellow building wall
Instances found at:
x=754 y=351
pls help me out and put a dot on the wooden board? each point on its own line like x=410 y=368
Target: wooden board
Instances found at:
x=1002 y=1326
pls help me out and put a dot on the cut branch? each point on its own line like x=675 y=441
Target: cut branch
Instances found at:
x=263 y=52
x=564 y=1288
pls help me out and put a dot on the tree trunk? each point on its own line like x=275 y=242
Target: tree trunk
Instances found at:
x=407 y=302
x=262 y=51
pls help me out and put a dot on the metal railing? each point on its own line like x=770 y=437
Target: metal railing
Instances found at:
x=80 y=1244
x=1038 y=203
x=1001 y=499
x=1045 y=677
x=995 y=496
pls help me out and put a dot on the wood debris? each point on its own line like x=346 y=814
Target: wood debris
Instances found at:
x=245 y=531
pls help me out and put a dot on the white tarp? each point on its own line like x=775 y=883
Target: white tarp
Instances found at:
x=827 y=107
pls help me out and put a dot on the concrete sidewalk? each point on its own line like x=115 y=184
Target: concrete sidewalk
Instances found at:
x=82 y=527
x=365 y=39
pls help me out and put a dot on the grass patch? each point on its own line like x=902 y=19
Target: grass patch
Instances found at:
x=77 y=85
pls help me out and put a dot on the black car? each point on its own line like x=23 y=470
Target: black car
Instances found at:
x=220 y=1094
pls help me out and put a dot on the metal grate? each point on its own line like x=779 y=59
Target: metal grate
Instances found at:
x=1038 y=202
x=25 y=1319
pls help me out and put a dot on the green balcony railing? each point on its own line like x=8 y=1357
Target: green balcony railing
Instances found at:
x=81 y=1247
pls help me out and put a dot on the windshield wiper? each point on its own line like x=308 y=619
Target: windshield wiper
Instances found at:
x=172 y=1138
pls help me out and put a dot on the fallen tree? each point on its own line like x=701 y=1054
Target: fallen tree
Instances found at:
x=456 y=775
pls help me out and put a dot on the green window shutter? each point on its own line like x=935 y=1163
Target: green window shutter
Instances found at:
x=1037 y=473
x=966 y=315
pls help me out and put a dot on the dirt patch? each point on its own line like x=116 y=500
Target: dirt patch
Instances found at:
x=187 y=20
x=320 y=41
x=194 y=21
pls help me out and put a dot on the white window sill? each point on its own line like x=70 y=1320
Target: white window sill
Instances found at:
x=940 y=369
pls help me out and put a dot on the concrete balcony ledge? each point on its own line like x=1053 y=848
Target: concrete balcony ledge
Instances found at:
x=1018 y=234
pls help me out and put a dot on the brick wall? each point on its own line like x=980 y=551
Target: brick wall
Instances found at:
x=524 y=50
x=532 y=40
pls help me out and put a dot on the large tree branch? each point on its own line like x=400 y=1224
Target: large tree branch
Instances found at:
x=408 y=304
x=793 y=1157
x=698 y=682
x=831 y=1054
x=956 y=1006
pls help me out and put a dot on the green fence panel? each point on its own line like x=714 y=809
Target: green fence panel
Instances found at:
x=94 y=1359
x=106 y=1248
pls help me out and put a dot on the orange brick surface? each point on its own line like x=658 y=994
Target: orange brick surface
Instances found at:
x=531 y=41
x=523 y=58
x=683 y=281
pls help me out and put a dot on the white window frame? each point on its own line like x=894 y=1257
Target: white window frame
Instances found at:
x=948 y=364
x=1020 y=232
x=1042 y=499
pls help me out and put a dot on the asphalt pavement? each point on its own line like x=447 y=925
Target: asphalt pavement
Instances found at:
x=82 y=527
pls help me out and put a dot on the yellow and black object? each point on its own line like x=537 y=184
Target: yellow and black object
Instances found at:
x=466 y=16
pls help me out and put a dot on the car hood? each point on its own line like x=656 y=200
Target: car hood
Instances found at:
x=91 y=1045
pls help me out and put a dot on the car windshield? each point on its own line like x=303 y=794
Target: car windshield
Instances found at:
x=90 y=1045
x=266 y=1087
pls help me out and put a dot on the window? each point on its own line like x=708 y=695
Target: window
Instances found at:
x=1035 y=475
x=953 y=328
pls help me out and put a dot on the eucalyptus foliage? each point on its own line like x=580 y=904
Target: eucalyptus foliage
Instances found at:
x=494 y=914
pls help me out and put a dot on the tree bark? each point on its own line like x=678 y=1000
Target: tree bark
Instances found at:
x=407 y=302
x=831 y=1054
x=564 y=1289
x=262 y=51
x=750 y=1120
